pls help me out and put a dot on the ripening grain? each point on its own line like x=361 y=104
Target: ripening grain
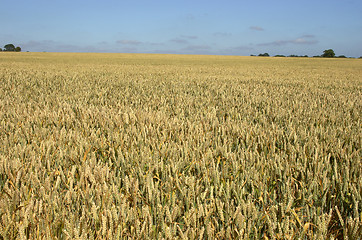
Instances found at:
x=117 y=146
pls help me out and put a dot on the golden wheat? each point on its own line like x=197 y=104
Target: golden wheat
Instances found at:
x=113 y=146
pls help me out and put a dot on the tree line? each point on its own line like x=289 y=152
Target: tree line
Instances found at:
x=10 y=48
x=329 y=53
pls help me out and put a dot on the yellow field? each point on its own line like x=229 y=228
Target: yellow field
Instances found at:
x=110 y=146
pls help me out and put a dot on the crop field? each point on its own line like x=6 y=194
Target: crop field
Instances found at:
x=146 y=146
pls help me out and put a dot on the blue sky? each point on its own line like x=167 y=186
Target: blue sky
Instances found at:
x=224 y=27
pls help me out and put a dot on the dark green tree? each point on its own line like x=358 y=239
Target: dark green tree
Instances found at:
x=328 y=53
x=9 y=48
x=264 y=55
x=18 y=49
x=1 y=49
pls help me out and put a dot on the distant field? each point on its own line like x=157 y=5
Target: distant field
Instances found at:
x=110 y=146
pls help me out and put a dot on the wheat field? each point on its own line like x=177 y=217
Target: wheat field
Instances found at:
x=147 y=146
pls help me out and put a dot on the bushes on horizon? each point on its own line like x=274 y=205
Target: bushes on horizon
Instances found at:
x=11 y=48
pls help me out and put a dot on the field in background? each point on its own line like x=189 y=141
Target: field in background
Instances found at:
x=109 y=146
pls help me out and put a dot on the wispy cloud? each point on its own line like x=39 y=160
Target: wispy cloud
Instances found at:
x=196 y=48
x=184 y=39
x=179 y=40
x=256 y=28
x=305 y=39
x=129 y=42
x=222 y=34
x=237 y=50
x=308 y=36
x=129 y=50
x=189 y=36
x=54 y=46
x=190 y=17
x=156 y=43
x=36 y=44
x=103 y=43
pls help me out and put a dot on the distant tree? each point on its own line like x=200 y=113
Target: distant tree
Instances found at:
x=317 y=56
x=18 y=49
x=293 y=55
x=252 y=55
x=9 y=48
x=360 y=57
x=305 y=56
x=341 y=56
x=264 y=55
x=279 y=55
x=328 y=53
x=1 y=49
